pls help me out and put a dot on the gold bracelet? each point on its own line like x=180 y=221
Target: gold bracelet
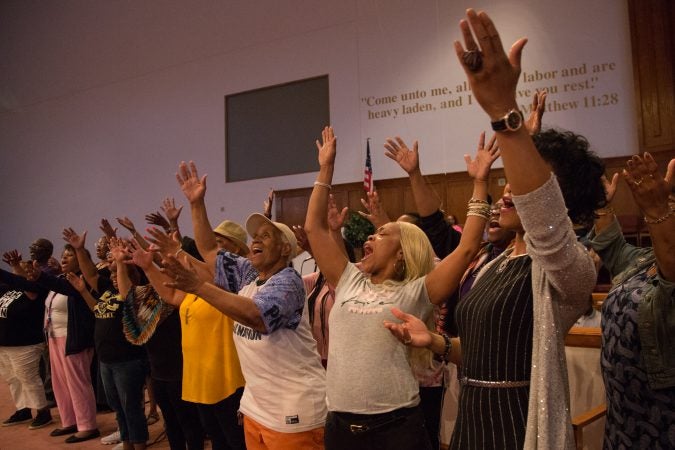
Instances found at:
x=477 y=201
x=178 y=252
x=604 y=211
x=326 y=185
x=658 y=220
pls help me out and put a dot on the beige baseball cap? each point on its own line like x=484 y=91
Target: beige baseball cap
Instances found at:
x=255 y=220
x=235 y=232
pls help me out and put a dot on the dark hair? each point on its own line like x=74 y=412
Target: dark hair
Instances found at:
x=71 y=249
x=578 y=170
x=414 y=215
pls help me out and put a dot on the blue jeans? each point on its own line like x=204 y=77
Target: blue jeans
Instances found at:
x=123 y=383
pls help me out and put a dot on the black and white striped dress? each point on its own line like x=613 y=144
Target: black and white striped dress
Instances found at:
x=495 y=329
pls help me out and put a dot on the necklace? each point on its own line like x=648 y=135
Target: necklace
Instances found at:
x=507 y=259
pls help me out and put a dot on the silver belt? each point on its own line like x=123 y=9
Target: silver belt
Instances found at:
x=466 y=381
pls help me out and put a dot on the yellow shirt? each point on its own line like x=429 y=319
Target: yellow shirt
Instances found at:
x=211 y=370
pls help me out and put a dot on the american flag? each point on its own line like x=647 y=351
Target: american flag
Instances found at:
x=368 y=172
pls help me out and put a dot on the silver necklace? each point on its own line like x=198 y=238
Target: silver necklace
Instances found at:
x=507 y=259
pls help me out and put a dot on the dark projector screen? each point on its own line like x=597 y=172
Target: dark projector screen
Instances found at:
x=271 y=131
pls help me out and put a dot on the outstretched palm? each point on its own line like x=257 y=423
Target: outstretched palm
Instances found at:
x=327 y=148
x=192 y=186
x=479 y=167
x=74 y=239
x=397 y=150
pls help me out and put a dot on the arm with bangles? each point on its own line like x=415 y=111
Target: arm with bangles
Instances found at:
x=654 y=196
x=413 y=332
x=606 y=237
x=328 y=254
x=444 y=279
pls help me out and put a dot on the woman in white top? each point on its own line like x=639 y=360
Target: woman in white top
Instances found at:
x=368 y=408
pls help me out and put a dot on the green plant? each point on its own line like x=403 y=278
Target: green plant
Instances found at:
x=357 y=229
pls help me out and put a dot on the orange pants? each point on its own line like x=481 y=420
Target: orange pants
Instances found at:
x=259 y=437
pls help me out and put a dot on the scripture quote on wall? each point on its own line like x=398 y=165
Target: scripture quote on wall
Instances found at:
x=568 y=88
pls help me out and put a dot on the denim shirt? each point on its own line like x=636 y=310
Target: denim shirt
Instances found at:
x=656 y=312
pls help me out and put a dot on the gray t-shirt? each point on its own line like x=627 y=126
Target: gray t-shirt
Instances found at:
x=368 y=368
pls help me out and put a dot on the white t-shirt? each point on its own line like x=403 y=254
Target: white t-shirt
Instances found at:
x=56 y=314
x=368 y=368
x=285 y=381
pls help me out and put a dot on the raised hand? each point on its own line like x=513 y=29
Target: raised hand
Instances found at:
x=610 y=187
x=32 y=271
x=479 y=168
x=74 y=239
x=326 y=148
x=650 y=191
x=12 y=258
x=156 y=218
x=107 y=229
x=118 y=249
x=267 y=204
x=375 y=214
x=492 y=75
x=127 y=223
x=409 y=160
x=301 y=237
x=169 y=206
x=76 y=281
x=336 y=217
x=140 y=257
x=192 y=186
x=184 y=279
x=162 y=242
x=533 y=122
x=411 y=331
x=54 y=265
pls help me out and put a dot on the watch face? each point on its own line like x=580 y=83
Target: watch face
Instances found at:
x=514 y=120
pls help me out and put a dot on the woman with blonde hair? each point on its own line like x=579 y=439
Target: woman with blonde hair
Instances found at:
x=397 y=270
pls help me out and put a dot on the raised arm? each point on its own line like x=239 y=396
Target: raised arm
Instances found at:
x=87 y=266
x=158 y=280
x=172 y=214
x=605 y=216
x=13 y=260
x=267 y=204
x=493 y=83
x=168 y=244
x=444 y=279
x=194 y=189
x=120 y=255
x=327 y=253
x=78 y=283
x=129 y=225
x=426 y=200
x=239 y=308
x=651 y=193
x=375 y=214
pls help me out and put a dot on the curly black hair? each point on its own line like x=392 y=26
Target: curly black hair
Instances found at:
x=578 y=170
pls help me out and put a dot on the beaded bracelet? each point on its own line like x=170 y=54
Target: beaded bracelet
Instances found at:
x=448 y=347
